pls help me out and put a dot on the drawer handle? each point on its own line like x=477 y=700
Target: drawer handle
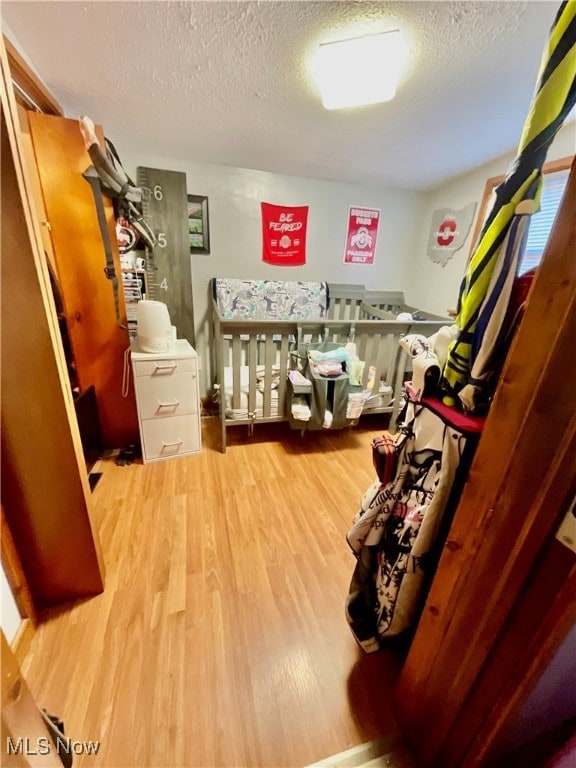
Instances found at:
x=174 y=404
x=170 y=445
x=169 y=367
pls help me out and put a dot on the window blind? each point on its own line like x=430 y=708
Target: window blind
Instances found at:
x=541 y=222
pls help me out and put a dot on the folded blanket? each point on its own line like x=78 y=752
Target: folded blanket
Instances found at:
x=300 y=409
x=330 y=368
x=298 y=380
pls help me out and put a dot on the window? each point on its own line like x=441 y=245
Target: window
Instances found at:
x=555 y=179
x=541 y=222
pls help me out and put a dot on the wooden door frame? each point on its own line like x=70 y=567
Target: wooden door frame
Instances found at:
x=29 y=90
x=14 y=572
x=21 y=720
x=64 y=500
x=517 y=492
x=530 y=638
x=29 y=93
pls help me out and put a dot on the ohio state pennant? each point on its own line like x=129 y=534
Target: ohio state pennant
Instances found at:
x=284 y=234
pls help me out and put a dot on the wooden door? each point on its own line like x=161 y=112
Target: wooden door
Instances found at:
x=98 y=342
x=45 y=493
x=502 y=598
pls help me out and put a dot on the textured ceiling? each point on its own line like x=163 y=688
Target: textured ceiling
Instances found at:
x=228 y=82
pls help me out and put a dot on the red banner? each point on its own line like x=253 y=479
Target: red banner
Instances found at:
x=284 y=234
x=361 y=235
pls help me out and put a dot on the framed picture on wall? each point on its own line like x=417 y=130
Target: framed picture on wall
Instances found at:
x=198 y=225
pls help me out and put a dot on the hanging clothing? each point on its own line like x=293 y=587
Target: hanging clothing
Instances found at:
x=395 y=531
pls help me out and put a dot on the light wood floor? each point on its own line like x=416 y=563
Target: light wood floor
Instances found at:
x=220 y=639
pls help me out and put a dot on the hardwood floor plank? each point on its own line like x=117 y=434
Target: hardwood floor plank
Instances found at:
x=220 y=640
x=167 y=727
x=259 y=630
x=178 y=548
x=249 y=546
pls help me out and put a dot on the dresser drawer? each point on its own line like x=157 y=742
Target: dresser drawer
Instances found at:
x=161 y=396
x=164 y=369
x=166 y=438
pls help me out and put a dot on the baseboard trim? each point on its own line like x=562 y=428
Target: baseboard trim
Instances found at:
x=362 y=754
x=22 y=640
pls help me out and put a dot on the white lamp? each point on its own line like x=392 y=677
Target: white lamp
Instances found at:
x=362 y=70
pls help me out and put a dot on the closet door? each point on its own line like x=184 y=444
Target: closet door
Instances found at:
x=97 y=341
x=45 y=493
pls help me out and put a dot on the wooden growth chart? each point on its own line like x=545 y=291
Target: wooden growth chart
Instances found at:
x=168 y=269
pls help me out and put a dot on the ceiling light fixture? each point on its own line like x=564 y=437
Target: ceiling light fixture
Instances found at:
x=362 y=70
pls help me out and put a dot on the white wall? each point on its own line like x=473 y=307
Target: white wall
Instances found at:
x=235 y=195
x=431 y=286
x=10 y=615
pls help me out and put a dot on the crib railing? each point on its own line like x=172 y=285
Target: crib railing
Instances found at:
x=344 y=301
x=262 y=348
x=348 y=302
x=255 y=357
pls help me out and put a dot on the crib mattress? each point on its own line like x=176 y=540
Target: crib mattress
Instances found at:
x=242 y=411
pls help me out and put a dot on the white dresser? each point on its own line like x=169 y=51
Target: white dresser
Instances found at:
x=168 y=401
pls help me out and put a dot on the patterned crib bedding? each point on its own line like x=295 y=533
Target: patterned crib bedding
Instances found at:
x=270 y=299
